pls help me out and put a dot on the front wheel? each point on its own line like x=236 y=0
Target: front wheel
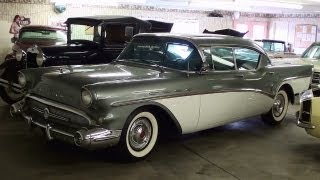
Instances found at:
x=279 y=109
x=139 y=135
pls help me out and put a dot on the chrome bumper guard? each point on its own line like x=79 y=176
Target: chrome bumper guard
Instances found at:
x=95 y=138
x=305 y=125
x=14 y=86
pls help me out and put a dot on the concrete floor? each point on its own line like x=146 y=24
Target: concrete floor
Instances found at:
x=244 y=150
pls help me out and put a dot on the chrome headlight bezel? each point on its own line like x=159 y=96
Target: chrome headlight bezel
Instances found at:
x=19 y=54
x=40 y=58
x=86 y=97
x=306 y=95
x=22 y=80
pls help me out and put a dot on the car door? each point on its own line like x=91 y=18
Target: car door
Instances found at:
x=227 y=94
x=257 y=81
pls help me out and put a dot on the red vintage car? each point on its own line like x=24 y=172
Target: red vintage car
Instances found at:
x=28 y=37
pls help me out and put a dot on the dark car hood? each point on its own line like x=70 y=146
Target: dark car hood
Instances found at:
x=66 y=87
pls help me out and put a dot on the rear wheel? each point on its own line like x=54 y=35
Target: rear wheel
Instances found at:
x=139 y=135
x=279 y=109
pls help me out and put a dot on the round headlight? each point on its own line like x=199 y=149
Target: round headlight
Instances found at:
x=86 y=97
x=22 y=79
x=40 y=59
x=19 y=54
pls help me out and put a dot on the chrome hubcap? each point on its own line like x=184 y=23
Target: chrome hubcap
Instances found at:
x=140 y=134
x=278 y=105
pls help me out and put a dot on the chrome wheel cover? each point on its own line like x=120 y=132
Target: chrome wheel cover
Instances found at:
x=278 y=105
x=140 y=134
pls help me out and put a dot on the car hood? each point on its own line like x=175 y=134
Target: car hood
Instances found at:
x=65 y=85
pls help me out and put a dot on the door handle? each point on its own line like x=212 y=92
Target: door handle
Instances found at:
x=271 y=72
x=239 y=75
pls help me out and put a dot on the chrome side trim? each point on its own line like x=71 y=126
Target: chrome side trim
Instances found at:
x=186 y=93
x=61 y=106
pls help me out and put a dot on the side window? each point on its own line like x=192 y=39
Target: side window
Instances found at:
x=178 y=56
x=219 y=58
x=313 y=52
x=246 y=59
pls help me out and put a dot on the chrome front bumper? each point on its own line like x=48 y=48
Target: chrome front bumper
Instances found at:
x=95 y=138
x=305 y=125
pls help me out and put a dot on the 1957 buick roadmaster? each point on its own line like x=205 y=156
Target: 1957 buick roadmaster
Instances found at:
x=160 y=83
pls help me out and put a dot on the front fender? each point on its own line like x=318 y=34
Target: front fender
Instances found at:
x=33 y=75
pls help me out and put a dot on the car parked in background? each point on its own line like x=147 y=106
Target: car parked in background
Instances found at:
x=276 y=48
x=28 y=37
x=309 y=114
x=90 y=40
x=310 y=56
x=159 y=83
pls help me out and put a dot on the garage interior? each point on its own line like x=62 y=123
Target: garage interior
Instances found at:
x=248 y=149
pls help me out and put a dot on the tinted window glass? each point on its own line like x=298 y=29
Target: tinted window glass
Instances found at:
x=246 y=59
x=219 y=58
x=314 y=52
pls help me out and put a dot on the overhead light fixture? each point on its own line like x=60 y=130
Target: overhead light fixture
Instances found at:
x=228 y=6
x=275 y=4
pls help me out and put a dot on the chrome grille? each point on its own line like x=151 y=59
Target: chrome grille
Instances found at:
x=55 y=115
x=305 y=111
x=316 y=77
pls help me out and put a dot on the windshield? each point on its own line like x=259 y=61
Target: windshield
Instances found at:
x=152 y=51
x=273 y=46
x=59 y=36
x=84 y=32
x=313 y=52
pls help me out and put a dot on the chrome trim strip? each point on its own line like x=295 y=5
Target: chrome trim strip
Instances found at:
x=297 y=77
x=186 y=93
x=61 y=106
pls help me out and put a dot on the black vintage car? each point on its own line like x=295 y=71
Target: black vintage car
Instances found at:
x=90 y=40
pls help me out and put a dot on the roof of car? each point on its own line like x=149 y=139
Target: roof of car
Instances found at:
x=41 y=27
x=205 y=39
x=269 y=40
x=95 y=20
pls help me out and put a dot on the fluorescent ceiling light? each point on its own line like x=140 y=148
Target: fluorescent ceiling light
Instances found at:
x=270 y=4
x=220 y=6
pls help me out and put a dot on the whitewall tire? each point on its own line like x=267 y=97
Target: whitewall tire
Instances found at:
x=139 y=135
x=279 y=109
